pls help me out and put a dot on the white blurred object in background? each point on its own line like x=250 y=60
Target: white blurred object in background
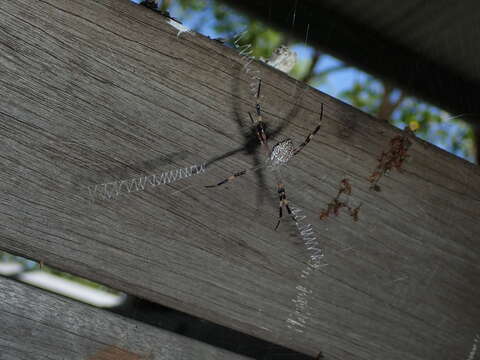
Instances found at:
x=72 y=289
x=283 y=59
x=10 y=268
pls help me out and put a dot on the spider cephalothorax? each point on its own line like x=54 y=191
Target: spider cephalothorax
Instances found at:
x=281 y=153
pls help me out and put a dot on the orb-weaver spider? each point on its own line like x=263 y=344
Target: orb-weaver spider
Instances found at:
x=279 y=156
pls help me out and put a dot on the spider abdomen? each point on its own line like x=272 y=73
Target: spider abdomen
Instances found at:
x=282 y=152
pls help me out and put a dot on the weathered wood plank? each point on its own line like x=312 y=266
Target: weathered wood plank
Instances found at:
x=40 y=325
x=99 y=91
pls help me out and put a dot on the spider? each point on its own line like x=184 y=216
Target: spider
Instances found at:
x=251 y=145
x=277 y=157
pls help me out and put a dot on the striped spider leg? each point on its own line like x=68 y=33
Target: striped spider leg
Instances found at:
x=311 y=135
x=235 y=175
x=257 y=122
x=279 y=156
x=281 y=153
x=259 y=127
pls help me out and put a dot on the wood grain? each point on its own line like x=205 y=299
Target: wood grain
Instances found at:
x=98 y=91
x=40 y=325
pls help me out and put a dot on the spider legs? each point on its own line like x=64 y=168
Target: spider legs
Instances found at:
x=258 y=123
x=228 y=179
x=310 y=136
x=259 y=130
x=283 y=203
x=235 y=175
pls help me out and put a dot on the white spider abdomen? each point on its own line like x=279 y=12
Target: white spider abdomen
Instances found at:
x=282 y=152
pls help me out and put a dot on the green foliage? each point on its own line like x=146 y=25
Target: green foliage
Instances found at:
x=301 y=68
x=364 y=95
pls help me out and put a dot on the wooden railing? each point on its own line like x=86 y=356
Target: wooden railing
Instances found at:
x=99 y=92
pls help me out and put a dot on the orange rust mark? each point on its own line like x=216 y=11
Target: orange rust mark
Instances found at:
x=115 y=353
x=334 y=206
x=393 y=158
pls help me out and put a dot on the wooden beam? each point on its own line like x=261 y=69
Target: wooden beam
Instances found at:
x=96 y=92
x=40 y=325
x=369 y=50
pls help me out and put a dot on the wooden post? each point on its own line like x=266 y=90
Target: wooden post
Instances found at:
x=40 y=325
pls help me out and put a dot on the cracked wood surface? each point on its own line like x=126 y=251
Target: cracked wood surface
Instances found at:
x=98 y=91
x=39 y=325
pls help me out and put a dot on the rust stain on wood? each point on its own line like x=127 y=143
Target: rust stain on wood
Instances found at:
x=115 y=353
x=334 y=206
x=393 y=158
